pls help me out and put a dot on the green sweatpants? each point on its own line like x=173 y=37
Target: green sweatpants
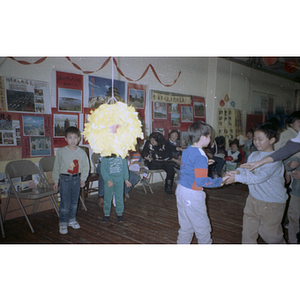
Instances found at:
x=118 y=189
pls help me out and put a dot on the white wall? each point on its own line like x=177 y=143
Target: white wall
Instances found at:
x=211 y=78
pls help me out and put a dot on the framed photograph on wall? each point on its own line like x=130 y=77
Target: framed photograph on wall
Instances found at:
x=100 y=91
x=69 y=100
x=160 y=130
x=159 y=110
x=175 y=120
x=40 y=146
x=33 y=126
x=187 y=114
x=63 y=121
x=173 y=108
x=136 y=95
x=199 y=109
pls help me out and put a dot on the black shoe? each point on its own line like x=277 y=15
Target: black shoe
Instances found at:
x=169 y=192
x=105 y=219
x=168 y=186
x=120 y=218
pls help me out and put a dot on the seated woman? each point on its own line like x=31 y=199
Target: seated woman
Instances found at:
x=174 y=147
x=158 y=156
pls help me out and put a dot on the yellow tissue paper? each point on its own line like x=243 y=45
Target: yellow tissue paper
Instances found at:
x=113 y=129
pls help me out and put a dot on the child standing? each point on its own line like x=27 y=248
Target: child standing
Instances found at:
x=114 y=171
x=71 y=168
x=266 y=202
x=192 y=214
x=234 y=155
x=249 y=146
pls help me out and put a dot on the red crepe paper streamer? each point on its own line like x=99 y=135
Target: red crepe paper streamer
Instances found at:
x=23 y=62
x=145 y=72
x=88 y=72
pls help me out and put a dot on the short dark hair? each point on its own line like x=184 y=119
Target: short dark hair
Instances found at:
x=234 y=142
x=292 y=118
x=220 y=140
x=159 y=138
x=198 y=129
x=173 y=131
x=72 y=129
x=268 y=129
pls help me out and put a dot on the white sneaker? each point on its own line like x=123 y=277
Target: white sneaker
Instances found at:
x=114 y=200
x=74 y=225
x=63 y=229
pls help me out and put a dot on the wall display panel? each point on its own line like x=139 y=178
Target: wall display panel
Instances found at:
x=175 y=111
x=26 y=95
x=100 y=90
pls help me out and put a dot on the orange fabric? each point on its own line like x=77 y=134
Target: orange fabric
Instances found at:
x=196 y=187
x=201 y=173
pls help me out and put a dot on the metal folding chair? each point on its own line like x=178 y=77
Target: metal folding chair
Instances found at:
x=14 y=170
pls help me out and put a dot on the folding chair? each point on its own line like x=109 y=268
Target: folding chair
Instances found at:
x=19 y=168
x=93 y=176
x=46 y=164
x=1 y=222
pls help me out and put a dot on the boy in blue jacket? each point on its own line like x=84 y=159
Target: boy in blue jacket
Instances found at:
x=192 y=214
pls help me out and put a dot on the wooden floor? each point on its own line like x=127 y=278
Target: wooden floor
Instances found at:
x=148 y=219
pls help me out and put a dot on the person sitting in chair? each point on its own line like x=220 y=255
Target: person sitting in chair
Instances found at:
x=158 y=156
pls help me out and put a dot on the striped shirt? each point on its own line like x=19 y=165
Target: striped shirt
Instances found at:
x=194 y=170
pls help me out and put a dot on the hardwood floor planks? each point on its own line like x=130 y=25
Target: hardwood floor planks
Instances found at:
x=148 y=219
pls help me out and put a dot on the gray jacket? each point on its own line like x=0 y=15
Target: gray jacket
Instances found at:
x=265 y=183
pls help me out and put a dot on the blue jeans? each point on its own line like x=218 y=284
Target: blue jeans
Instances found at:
x=133 y=179
x=69 y=188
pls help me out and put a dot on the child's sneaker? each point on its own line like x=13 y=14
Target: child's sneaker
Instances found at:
x=105 y=219
x=63 y=229
x=120 y=218
x=74 y=225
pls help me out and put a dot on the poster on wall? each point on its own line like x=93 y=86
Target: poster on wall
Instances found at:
x=36 y=135
x=100 y=90
x=172 y=111
x=9 y=129
x=26 y=95
x=263 y=103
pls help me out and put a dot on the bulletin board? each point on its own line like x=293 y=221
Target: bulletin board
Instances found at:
x=171 y=111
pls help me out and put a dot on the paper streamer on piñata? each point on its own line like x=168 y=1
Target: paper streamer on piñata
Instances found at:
x=113 y=129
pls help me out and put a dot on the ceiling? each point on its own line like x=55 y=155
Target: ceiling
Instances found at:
x=285 y=67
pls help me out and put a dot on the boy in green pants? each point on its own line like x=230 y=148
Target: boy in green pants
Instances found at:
x=114 y=171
